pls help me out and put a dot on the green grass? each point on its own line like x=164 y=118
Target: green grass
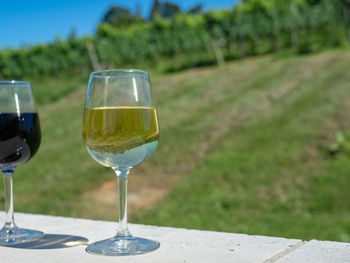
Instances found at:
x=243 y=148
x=48 y=89
x=269 y=174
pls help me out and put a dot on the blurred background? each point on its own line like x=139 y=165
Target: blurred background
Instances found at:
x=253 y=101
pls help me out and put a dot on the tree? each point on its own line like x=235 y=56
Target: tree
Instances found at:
x=118 y=16
x=197 y=9
x=155 y=8
x=164 y=9
x=314 y=2
x=113 y=12
x=346 y=14
x=72 y=35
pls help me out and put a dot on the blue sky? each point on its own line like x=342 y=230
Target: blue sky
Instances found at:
x=40 y=21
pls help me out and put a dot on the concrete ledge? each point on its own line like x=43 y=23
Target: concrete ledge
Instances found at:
x=177 y=245
x=316 y=251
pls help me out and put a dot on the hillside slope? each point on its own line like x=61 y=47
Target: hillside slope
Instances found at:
x=243 y=148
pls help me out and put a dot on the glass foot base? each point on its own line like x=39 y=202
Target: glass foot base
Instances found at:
x=123 y=246
x=13 y=236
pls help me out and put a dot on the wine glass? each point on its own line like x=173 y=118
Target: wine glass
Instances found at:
x=19 y=140
x=120 y=130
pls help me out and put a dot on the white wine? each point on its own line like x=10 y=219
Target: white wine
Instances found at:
x=120 y=136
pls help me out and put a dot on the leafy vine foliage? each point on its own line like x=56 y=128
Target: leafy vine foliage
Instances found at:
x=249 y=28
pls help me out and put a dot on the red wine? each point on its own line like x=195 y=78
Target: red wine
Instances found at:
x=19 y=137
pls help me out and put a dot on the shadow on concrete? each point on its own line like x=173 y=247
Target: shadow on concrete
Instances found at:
x=52 y=241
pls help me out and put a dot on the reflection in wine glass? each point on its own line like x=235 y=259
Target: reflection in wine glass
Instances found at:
x=120 y=130
x=19 y=140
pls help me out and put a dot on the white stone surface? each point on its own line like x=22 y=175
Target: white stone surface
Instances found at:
x=319 y=252
x=177 y=245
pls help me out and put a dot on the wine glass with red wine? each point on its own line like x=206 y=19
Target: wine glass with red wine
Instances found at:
x=19 y=140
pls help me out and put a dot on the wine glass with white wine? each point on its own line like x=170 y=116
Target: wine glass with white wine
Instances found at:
x=120 y=130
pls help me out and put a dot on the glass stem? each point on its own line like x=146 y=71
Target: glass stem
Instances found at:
x=122 y=175
x=8 y=189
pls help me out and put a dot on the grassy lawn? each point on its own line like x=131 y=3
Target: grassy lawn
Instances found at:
x=243 y=148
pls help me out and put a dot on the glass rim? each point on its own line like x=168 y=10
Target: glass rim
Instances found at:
x=13 y=83
x=119 y=73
